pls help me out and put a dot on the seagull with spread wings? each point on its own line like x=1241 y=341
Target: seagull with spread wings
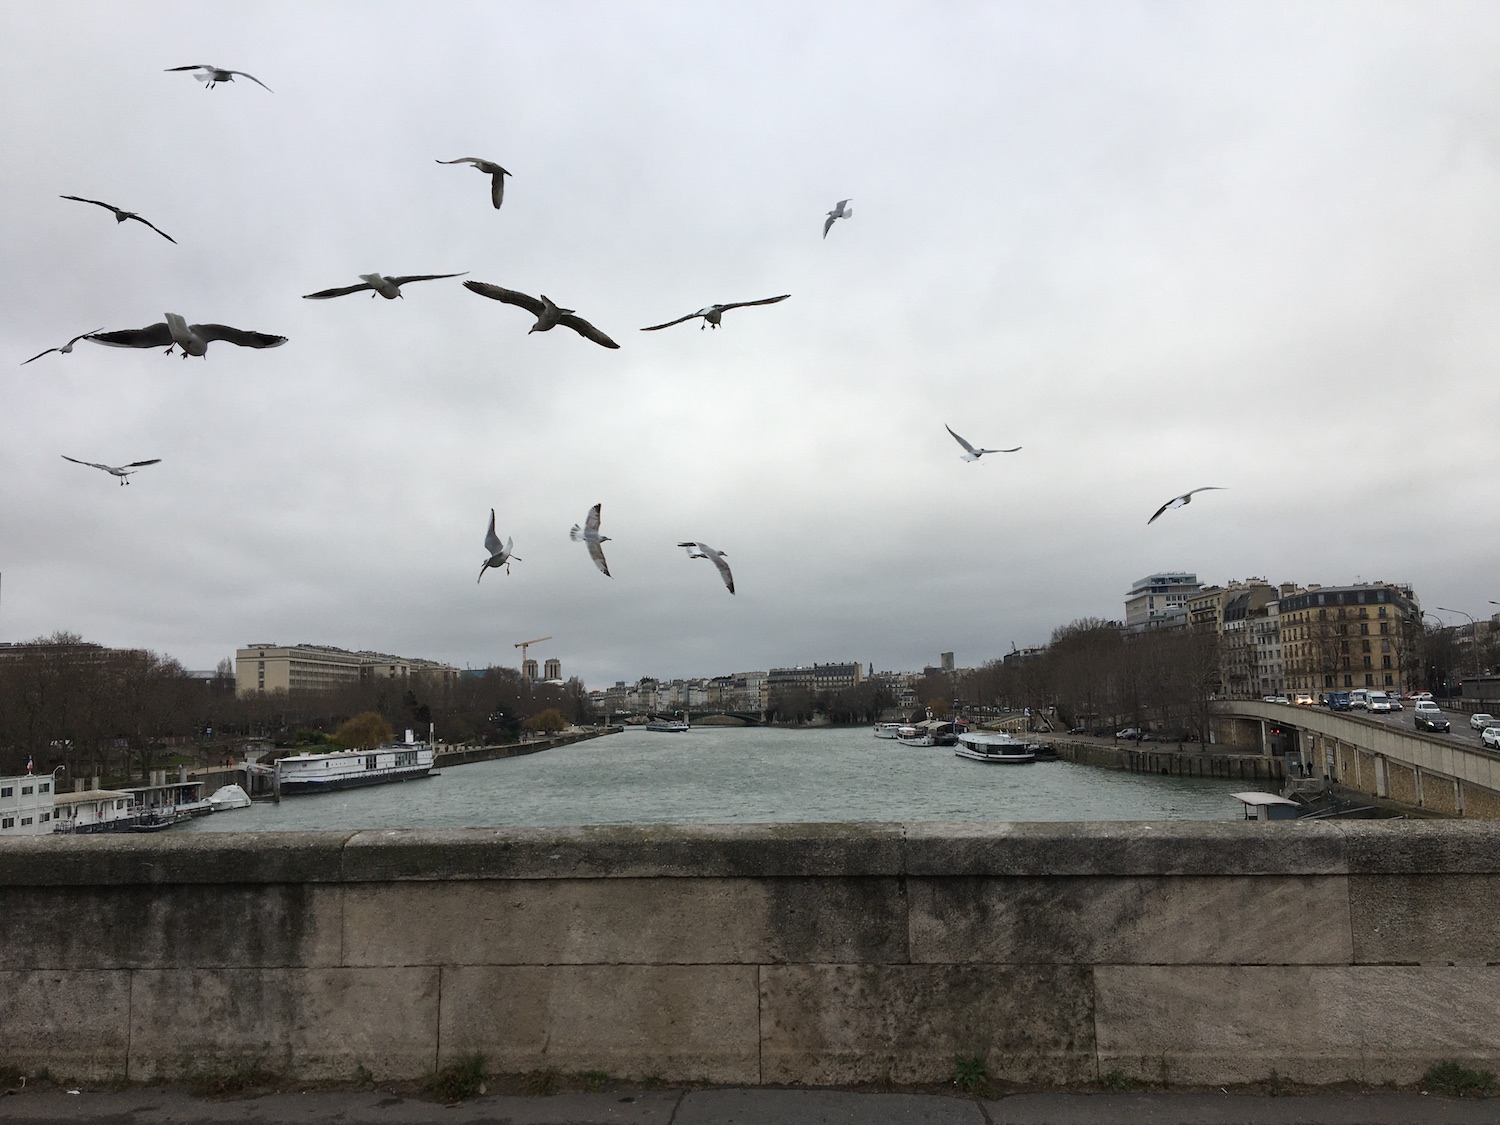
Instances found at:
x=704 y=551
x=548 y=314
x=193 y=339
x=387 y=287
x=713 y=314
x=66 y=349
x=121 y=215
x=496 y=173
x=972 y=454
x=841 y=211
x=121 y=471
x=211 y=76
x=1185 y=498
x=589 y=533
x=499 y=555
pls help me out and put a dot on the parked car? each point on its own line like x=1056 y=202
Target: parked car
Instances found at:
x=1303 y=699
x=1479 y=722
x=1129 y=732
x=1429 y=716
x=1490 y=736
x=1378 y=703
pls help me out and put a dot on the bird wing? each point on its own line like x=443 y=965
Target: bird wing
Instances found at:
x=39 y=355
x=474 y=160
x=142 y=464
x=423 y=277
x=239 y=336
x=591 y=524
x=324 y=294
x=745 y=304
x=1162 y=509
x=1017 y=449
x=491 y=540
x=596 y=552
x=586 y=330
x=90 y=464
x=723 y=566
x=194 y=66
x=154 y=227
x=960 y=440
x=497 y=186
x=254 y=79
x=152 y=336
x=95 y=202
x=669 y=323
x=1206 y=488
x=509 y=296
x=828 y=224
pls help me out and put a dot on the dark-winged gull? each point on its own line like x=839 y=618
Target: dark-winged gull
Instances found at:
x=714 y=313
x=548 y=314
x=841 y=211
x=211 y=76
x=496 y=173
x=589 y=533
x=121 y=471
x=121 y=215
x=1185 y=498
x=387 y=287
x=66 y=349
x=704 y=551
x=972 y=454
x=193 y=339
x=499 y=555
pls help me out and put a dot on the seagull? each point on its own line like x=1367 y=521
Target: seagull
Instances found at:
x=972 y=454
x=176 y=332
x=589 y=533
x=713 y=313
x=499 y=556
x=66 y=349
x=496 y=173
x=842 y=211
x=387 y=287
x=1185 y=498
x=121 y=471
x=211 y=76
x=121 y=215
x=548 y=314
x=704 y=551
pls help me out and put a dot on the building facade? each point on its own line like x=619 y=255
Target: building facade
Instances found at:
x=1335 y=638
x=271 y=667
x=1159 y=600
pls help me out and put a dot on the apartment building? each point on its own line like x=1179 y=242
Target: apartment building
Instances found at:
x=1339 y=637
x=273 y=667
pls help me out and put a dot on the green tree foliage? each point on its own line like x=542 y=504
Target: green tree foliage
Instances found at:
x=364 y=731
x=547 y=721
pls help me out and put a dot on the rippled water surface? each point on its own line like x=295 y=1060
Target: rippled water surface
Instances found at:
x=721 y=775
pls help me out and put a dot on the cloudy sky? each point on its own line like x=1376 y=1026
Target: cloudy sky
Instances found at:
x=1158 y=245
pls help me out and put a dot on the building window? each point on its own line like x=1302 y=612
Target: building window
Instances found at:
x=7 y=822
x=26 y=790
x=7 y=791
x=1385 y=662
x=25 y=820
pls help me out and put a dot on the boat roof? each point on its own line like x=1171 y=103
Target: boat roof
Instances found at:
x=1262 y=799
x=90 y=795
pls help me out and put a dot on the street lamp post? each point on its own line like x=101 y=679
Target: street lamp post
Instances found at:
x=1473 y=633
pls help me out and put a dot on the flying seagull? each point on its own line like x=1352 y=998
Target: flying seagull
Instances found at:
x=548 y=314
x=972 y=454
x=211 y=76
x=387 y=287
x=842 y=211
x=499 y=556
x=121 y=471
x=704 y=551
x=589 y=533
x=496 y=173
x=176 y=332
x=66 y=349
x=714 y=313
x=1185 y=498
x=121 y=215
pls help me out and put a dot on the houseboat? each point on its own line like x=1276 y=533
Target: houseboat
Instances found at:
x=26 y=804
x=988 y=746
x=88 y=811
x=162 y=803
x=929 y=732
x=353 y=769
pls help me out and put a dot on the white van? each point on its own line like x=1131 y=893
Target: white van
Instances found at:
x=1378 y=702
x=1359 y=698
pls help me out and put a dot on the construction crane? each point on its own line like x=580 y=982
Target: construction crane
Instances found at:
x=522 y=646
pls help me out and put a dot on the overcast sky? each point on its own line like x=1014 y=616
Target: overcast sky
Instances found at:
x=1158 y=245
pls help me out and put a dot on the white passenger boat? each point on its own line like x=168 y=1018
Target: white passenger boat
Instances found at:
x=353 y=769
x=929 y=732
x=888 y=730
x=670 y=726
x=994 y=747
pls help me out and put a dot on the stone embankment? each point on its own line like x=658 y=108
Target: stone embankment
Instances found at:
x=464 y=755
x=1167 y=758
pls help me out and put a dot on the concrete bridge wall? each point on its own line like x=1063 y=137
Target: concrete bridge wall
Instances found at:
x=1206 y=953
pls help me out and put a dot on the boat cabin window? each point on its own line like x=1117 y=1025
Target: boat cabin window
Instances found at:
x=25 y=789
x=369 y=761
x=7 y=822
x=7 y=791
x=44 y=787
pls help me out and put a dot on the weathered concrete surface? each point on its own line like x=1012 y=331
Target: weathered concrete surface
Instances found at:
x=811 y=954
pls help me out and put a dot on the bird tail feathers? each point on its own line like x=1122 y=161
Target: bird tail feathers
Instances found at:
x=576 y=534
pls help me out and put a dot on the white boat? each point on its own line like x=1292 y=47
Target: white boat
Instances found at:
x=670 y=726
x=95 y=810
x=929 y=732
x=994 y=747
x=888 y=730
x=353 y=769
x=228 y=797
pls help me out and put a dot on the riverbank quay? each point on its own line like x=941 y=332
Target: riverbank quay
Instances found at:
x=1167 y=953
x=466 y=755
x=751 y=1106
x=1186 y=759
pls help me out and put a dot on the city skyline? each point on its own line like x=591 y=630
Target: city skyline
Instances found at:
x=1158 y=248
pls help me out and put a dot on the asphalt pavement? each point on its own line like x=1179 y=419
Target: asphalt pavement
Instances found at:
x=749 y=1106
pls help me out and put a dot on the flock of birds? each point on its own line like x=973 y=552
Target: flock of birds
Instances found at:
x=175 y=333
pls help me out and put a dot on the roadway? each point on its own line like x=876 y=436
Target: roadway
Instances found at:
x=1458 y=722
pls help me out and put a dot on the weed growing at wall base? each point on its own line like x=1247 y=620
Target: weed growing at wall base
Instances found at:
x=463 y=1078
x=971 y=1074
x=1458 y=1081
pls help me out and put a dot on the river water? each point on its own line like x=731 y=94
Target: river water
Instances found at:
x=728 y=775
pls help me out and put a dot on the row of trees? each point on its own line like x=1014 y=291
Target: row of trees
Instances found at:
x=120 y=713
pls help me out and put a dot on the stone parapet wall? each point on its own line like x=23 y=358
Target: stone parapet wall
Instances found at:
x=1198 y=953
